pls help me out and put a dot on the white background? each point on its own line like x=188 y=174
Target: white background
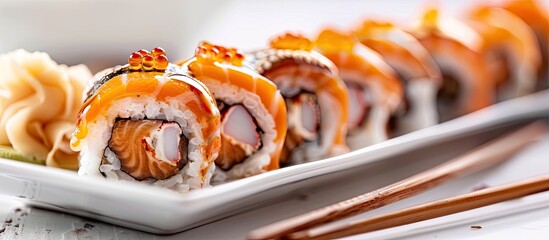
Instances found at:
x=103 y=33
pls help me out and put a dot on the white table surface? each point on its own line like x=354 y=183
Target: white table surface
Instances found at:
x=34 y=223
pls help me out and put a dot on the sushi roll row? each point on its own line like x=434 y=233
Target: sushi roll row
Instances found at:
x=224 y=114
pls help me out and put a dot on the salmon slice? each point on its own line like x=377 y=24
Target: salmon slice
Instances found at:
x=149 y=148
x=535 y=15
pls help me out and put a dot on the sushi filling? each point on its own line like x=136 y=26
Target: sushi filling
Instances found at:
x=499 y=63
x=396 y=119
x=240 y=135
x=303 y=121
x=448 y=96
x=543 y=72
x=359 y=104
x=149 y=148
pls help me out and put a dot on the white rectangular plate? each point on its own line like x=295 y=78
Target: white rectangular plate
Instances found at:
x=161 y=211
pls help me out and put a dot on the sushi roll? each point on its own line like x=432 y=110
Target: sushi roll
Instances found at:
x=148 y=122
x=316 y=98
x=415 y=67
x=253 y=112
x=510 y=49
x=537 y=17
x=467 y=85
x=375 y=93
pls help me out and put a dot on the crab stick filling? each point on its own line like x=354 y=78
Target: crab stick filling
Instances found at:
x=303 y=120
x=240 y=135
x=359 y=102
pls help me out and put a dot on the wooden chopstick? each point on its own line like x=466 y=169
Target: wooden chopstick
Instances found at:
x=487 y=155
x=431 y=210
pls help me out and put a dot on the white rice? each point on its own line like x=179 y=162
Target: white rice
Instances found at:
x=95 y=146
x=423 y=98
